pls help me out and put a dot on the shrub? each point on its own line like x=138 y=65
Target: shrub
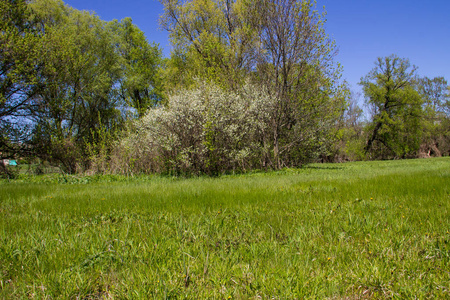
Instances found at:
x=200 y=131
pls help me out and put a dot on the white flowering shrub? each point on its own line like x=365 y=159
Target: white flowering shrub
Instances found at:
x=205 y=130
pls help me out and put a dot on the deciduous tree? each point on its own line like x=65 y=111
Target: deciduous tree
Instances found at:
x=280 y=44
x=76 y=83
x=436 y=117
x=70 y=76
x=19 y=61
x=141 y=85
x=395 y=129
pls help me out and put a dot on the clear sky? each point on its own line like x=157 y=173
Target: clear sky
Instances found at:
x=363 y=30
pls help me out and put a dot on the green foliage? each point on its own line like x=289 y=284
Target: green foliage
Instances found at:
x=141 y=85
x=77 y=81
x=249 y=85
x=17 y=53
x=66 y=74
x=352 y=137
x=18 y=63
x=396 y=127
x=8 y=172
x=436 y=116
x=212 y=41
x=409 y=114
x=280 y=45
x=329 y=231
x=99 y=148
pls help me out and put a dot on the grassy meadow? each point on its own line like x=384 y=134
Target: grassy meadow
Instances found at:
x=365 y=230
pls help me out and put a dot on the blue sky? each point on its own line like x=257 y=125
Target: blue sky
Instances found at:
x=363 y=30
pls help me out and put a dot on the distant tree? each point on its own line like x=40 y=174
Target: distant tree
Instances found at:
x=396 y=128
x=435 y=94
x=352 y=137
x=436 y=117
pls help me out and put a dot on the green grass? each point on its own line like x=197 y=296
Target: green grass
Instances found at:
x=337 y=231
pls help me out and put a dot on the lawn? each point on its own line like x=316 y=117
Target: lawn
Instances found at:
x=338 y=231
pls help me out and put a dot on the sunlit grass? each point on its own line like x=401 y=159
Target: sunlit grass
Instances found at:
x=372 y=229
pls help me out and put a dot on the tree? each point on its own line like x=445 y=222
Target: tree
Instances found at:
x=395 y=129
x=279 y=44
x=295 y=62
x=18 y=65
x=435 y=94
x=212 y=40
x=436 y=131
x=76 y=90
x=352 y=137
x=68 y=77
x=141 y=84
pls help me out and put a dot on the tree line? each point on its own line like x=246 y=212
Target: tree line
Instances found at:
x=249 y=85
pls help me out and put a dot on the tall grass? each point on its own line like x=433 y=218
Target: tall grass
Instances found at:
x=355 y=230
